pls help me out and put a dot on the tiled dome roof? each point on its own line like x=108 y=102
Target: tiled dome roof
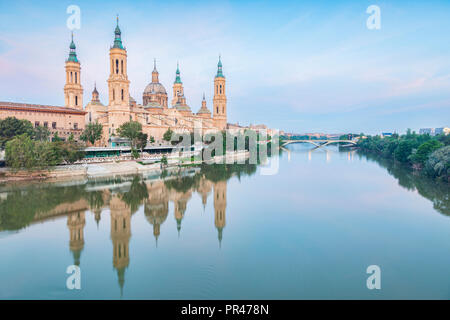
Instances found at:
x=153 y=88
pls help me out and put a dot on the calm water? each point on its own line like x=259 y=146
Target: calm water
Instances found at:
x=219 y=232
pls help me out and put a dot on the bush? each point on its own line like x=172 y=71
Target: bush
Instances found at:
x=134 y=153
x=425 y=149
x=438 y=163
x=19 y=153
x=24 y=153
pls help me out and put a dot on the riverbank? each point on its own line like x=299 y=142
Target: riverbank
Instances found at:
x=427 y=154
x=111 y=167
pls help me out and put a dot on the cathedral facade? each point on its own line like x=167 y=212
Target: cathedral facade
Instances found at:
x=155 y=114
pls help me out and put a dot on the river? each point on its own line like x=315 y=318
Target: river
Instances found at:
x=309 y=231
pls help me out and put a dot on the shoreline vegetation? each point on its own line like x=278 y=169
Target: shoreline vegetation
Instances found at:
x=34 y=154
x=421 y=153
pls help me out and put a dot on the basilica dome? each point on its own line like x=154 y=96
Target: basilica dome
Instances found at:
x=155 y=88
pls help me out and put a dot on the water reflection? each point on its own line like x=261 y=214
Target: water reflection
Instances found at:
x=436 y=191
x=123 y=196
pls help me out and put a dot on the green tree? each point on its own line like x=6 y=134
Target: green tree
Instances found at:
x=41 y=133
x=141 y=141
x=69 y=151
x=168 y=135
x=92 y=132
x=152 y=139
x=164 y=160
x=131 y=130
x=403 y=150
x=424 y=150
x=56 y=137
x=45 y=155
x=12 y=127
x=438 y=164
x=19 y=153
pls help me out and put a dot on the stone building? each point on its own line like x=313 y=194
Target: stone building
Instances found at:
x=154 y=114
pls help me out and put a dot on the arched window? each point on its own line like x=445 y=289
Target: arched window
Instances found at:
x=223 y=109
x=71 y=76
x=76 y=77
x=114 y=94
x=122 y=65
x=122 y=94
x=76 y=100
x=217 y=109
x=220 y=89
x=117 y=66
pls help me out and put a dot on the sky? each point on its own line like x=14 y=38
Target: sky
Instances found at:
x=298 y=66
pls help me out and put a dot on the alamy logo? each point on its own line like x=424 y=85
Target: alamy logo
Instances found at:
x=374 y=20
x=74 y=20
x=74 y=280
x=374 y=280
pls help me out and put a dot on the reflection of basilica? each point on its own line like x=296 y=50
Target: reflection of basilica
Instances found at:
x=156 y=206
x=156 y=209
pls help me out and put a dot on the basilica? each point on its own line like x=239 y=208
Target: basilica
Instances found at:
x=155 y=114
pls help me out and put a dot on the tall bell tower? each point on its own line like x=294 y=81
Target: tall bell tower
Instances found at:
x=220 y=99
x=118 y=83
x=73 y=91
x=177 y=87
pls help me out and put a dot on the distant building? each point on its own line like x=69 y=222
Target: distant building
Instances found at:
x=386 y=134
x=443 y=130
x=429 y=131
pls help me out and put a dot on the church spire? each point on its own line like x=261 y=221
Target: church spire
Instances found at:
x=155 y=73
x=117 y=36
x=72 y=53
x=177 y=74
x=219 y=69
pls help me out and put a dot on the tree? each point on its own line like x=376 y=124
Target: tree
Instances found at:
x=168 y=135
x=69 y=151
x=41 y=133
x=438 y=163
x=92 y=132
x=19 y=153
x=131 y=130
x=152 y=139
x=164 y=160
x=56 y=137
x=12 y=127
x=141 y=141
x=424 y=150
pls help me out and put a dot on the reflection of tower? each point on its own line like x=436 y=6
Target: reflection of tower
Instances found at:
x=156 y=207
x=204 y=188
x=179 y=210
x=97 y=216
x=120 y=236
x=75 y=223
x=220 y=205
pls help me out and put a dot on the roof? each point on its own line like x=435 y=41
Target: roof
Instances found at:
x=204 y=111
x=38 y=108
x=153 y=87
